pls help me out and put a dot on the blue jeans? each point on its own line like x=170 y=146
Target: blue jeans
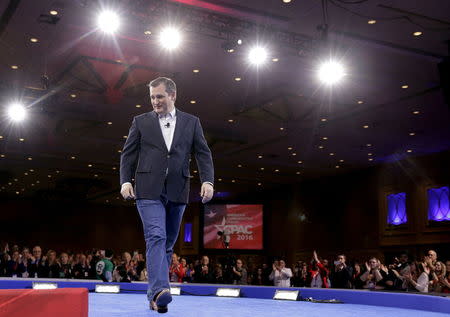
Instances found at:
x=161 y=220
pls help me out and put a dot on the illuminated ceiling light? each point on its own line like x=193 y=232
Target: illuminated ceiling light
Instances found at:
x=193 y=101
x=331 y=72
x=170 y=38
x=368 y=145
x=233 y=181
x=300 y=162
x=31 y=170
x=14 y=67
x=196 y=70
x=29 y=158
x=119 y=151
x=286 y=1
x=360 y=102
x=49 y=176
x=412 y=134
x=416 y=112
x=323 y=120
x=418 y=33
x=73 y=95
x=409 y=151
x=114 y=168
x=72 y=157
x=57 y=172
x=95 y=175
x=21 y=139
x=125 y=136
x=1 y=136
x=262 y=168
x=320 y=146
x=365 y=126
x=53 y=12
x=290 y=148
x=277 y=170
x=337 y=166
x=89 y=165
x=342 y=161
x=257 y=55
x=324 y=138
x=109 y=122
x=331 y=154
x=148 y=32
x=260 y=156
x=17 y=112
x=294 y=154
x=37 y=182
x=259 y=184
x=219 y=179
x=237 y=78
x=195 y=172
x=239 y=165
x=231 y=50
x=230 y=120
x=298 y=173
x=34 y=40
x=138 y=106
x=108 y=22
x=369 y=154
x=370 y=159
x=281 y=129
x=371 y=21
x=275 y=60
x=239 y=42
x=405 y=86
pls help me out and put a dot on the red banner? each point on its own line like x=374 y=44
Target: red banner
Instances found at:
x=233 y=226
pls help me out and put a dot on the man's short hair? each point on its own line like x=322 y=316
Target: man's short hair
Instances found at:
x=170 y=85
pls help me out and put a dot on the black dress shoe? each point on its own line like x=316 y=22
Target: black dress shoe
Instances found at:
x=160 y=301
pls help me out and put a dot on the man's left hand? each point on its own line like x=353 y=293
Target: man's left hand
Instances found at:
x=206 y=192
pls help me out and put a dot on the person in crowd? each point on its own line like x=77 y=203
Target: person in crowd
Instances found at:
x=14 y=267
x=341 y=276
x=143 y=277
x=218 y=274
x=204 y=272
x=357 y=283
x=176 y=270
x=187 y=271
x=431 y=260
x=373 y=278
x=438 y=275
x=65 y=268
x=445 y=280
x=81 y=268
x=37 y=267
x=190 y=273
x=323 y=270
x=239 y=273
x=258 y=277
x=418 y=278
x=104 y=267
x=281 y=275
x=51 y=265
x=25 y=261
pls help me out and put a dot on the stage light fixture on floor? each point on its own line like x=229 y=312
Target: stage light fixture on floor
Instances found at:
x=42 y=285
x=286 y=295
x=108 y=22
x=228 y=292
x=257 y=55
x=17 y=112
x=175 y=290
x=170 y=38
x=100 y=288
x=331 y=72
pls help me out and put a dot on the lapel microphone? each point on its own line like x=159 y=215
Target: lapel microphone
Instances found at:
x=167 y=125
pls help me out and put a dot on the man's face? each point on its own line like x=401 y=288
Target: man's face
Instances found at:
x=282 y=264
x=37 y=252
x=174 y=258
x=183 y=262
x=373 y=263
x=341 y=258
x=432 y=255
x=52 y=256
x=205 y=260
x=239 y=263
x=64 y=258
x=26 y=253
x=403 y=258
x=162 y=102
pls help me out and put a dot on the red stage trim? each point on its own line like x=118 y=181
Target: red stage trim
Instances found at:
x=67 y=302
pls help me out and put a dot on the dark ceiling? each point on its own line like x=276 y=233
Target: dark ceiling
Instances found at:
x=285 y=126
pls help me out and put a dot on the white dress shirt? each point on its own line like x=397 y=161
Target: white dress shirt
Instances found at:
x=167 y=123
x=281 y=278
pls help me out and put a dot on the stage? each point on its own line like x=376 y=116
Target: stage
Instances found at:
x=199 y=300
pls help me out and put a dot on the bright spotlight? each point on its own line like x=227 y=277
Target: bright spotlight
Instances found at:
x=16 y=112
x=331 y=72
x=170 y=38
x=257 y=55
x=108 y=22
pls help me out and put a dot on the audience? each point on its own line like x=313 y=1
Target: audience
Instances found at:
x=400 y=274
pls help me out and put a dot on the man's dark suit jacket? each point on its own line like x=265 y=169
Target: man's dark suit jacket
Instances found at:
x=146 y=158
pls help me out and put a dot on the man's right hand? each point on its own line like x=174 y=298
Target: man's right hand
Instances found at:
x=127 y=191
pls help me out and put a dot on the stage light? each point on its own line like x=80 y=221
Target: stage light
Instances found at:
x=228 y=292
x=286 y=295
x=17 y=112
x=108 y=22
x=331 y=72
x=99 y=288
x=37 y=285
x=175 y=290
x=257 y=55
x=170 y=38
